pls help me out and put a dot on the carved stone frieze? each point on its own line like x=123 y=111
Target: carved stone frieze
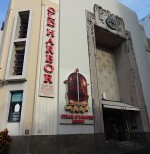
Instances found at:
x=101 y=15
x=90 y=16
x=115 y=24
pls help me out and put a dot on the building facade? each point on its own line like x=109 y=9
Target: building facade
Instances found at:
x=145 y=22
x=1 y=34
x=74 y=74
x=146 y=42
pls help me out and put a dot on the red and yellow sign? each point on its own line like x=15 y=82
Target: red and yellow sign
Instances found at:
x=48 y=54
x=77 y=93
x=76 y=119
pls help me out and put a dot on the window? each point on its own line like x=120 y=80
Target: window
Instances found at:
x=17 y=58
x=24 y=17
x=15 y=106
x=21 y=27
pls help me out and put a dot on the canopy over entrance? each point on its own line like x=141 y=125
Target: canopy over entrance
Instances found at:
x=119 y=105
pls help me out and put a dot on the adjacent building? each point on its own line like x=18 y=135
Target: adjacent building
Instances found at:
x=74 y=74
x=146 y=43
x=145 y=22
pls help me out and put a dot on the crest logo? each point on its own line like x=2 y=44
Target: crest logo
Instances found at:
x=77 y=94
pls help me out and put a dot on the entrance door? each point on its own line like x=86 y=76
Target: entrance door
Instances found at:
x=116 y=124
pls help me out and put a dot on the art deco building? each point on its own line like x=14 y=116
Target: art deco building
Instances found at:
x=74 y=78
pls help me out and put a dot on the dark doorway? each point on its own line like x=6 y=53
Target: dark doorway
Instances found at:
x=116 y=124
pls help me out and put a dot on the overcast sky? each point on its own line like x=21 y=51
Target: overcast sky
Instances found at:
x=141 y=7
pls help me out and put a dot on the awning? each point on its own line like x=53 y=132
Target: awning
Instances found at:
x=119 y=105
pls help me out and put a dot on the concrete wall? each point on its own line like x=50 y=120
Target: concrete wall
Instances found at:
x=148 y=42
x=74 y=144
x=144 y=65
x=43 y=121
x=1 y=34
x=144 y=38
x=145 y=22
x=41 y=115
x=73 y=40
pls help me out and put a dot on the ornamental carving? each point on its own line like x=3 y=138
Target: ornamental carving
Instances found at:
x=77 y=94
x=105 y=19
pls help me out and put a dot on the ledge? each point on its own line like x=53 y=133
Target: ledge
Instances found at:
x=16 y=79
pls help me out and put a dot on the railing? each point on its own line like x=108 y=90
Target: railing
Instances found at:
x=131 y=136
x=121 y=139
x=120 y=135
x=113 y=135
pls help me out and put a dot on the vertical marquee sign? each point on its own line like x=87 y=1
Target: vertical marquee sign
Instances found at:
x=46 y=88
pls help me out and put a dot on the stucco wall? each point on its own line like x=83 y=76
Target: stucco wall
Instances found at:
x=41 y=115
x=145 y=22
x=143 y=34
x=74 y=48
x=32 y=103
x=1 y=34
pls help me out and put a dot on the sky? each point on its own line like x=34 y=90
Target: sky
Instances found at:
x=3 y=9
x=141 y=7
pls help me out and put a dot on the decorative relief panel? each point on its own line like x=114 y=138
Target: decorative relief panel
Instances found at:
x=90 y=17
x=102 y=16
x=107 y=74
x=105 y=19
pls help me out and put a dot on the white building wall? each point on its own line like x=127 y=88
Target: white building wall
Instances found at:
x=1 y=34
x=14 y=128
x=145 y=22
x=39 y=114
x=146 y=43
x=72 y=53
x=74 y=47
x=46 y=108
x=143 y=34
